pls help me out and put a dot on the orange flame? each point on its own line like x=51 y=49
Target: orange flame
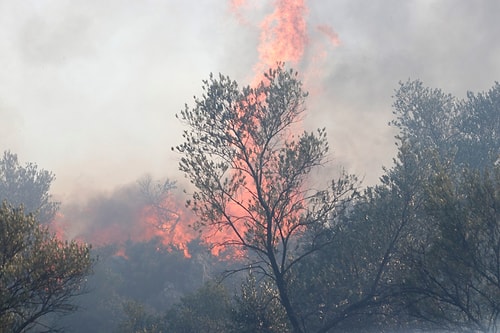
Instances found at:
x=117 y=219
x=57 y=226
x=170 y=223
x=283 y=38
x=123 y=217
x=236 y=4
x=283 y=35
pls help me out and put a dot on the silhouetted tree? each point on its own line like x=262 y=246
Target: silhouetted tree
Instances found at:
x=251 y=172
x=257 y=308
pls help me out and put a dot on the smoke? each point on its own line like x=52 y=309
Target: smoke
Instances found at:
x=136 y=212
x=89 y=90
x=330 y=33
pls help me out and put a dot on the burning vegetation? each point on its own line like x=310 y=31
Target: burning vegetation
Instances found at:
x=254 y=243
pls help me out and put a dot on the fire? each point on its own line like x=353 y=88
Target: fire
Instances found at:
x=170 y=223
x=236 y=4
x=57 y=226
x=123 y=216
x=284 y=34
x=283 y=39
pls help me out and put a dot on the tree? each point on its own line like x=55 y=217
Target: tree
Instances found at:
x=154 y=194
x=251 y=174
x=479 y=124
x=443 y=174
x=27 y=186
x=457 y=278
x=207 y=310
x=462 y=133
x=138 y=320
x=39 y=274
x=352 y=284
x=257 y=308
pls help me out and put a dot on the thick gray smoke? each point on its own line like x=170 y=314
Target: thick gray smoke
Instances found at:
x=89 y=90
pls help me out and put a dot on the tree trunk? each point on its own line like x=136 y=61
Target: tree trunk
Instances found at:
x=283 y=292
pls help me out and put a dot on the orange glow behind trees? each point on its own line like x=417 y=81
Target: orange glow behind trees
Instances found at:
x=283 y=38
x=251 y=173
x=129 y=215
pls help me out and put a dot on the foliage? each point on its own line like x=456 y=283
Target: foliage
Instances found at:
x=462 y=133
x=251 y=173
x=479 y=123
x=458 y=277
x=27 y=186
x=257 y=308
x=143 y=278
x=138 y=320
x=443 y=174
x=39 y=274
x=351 y=285
x=207 y=310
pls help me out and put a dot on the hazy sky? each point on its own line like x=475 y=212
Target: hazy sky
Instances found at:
x=89 y=89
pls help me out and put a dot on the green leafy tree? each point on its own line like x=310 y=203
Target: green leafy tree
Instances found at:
x=251 y=174
x=207 y=310
x=138 y=320
x=39 y=274
x=479 y=124
x=27 y=186
x=442 y=143
x=457 y=278
x=352 y=284
x=257 y=308
x=425 y=117
x=462 y=133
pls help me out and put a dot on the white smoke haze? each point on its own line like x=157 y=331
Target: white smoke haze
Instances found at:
x=89 y=89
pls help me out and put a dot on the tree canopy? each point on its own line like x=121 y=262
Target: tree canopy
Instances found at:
x=27 y=186
x=39 y=274
x=250 y=165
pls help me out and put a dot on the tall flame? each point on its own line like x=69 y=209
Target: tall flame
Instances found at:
x=284 y=34
x=120 y=218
